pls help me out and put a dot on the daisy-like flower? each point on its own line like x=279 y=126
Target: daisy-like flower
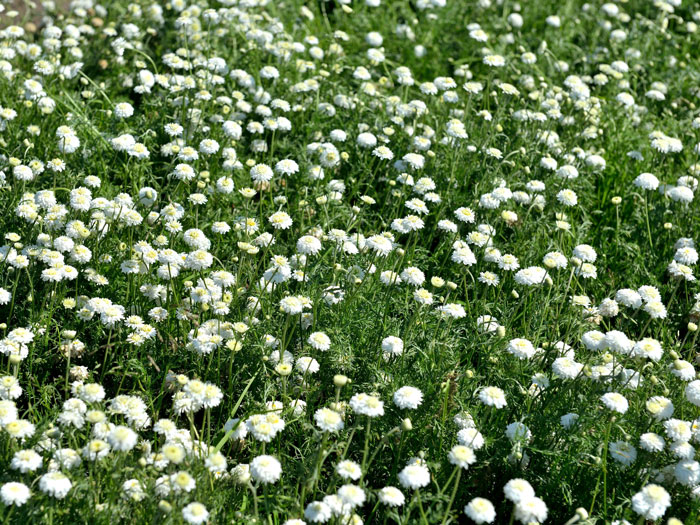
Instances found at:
x=480 y=510
x=195 y=513
x=408 y=397
x=462 y=456
x=347 y=469
x=415 y=475
x=328 y=420
x=14 y=493
x=492 y=396
x=651 y=502
x=391 y=497
x=280 y=220
x=615 y=402
x=265 y=469
x=367 y=405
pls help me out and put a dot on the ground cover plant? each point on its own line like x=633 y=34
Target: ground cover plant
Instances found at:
x=426 y=261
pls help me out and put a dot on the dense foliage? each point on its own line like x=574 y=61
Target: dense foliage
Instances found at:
x=410 y=261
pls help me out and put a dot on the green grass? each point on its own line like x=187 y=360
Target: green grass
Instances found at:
x=633 y=231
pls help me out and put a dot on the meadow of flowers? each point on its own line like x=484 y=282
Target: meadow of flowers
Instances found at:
x=399 y=261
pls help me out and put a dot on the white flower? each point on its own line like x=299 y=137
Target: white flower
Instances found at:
x=615 y=402
x=692 y=392
x=651 y=502
x=392 y=346
x=461 y=456
x=471 y=438
x=308 y=245
x=195 y=513
x=687 y=472
x=651 y=442
x=14 y=493
x=518 y=432
x=623 y=452
x=391 y=496
x=328 y=420
x=265 y=469
x=55 y=484
x=414 y=476
x=646 y=181
x=347 y=469
x=351 y=495
x=493 y=396
x=123 y=110
x=408 y=397
x=319 y=341
x=26 y=461
x=367 y=405
x=521 y=348
x=531 y=509
x=317 y=512
x=480 y=510
x=531 y=276
x=517 y=490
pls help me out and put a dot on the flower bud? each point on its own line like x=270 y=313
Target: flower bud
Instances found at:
x=406 y=425
x=340 y=380
x=437 y=282
x=283 y=369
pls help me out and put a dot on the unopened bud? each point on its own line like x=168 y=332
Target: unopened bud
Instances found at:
x=406 y=425
x=340 y=380
x=437 y=282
